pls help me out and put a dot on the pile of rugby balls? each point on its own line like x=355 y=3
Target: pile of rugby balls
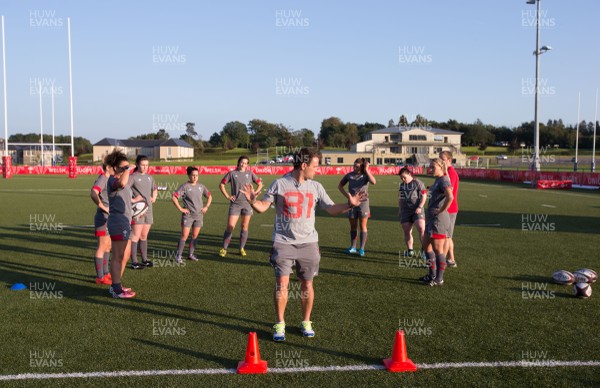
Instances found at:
x=581 y=280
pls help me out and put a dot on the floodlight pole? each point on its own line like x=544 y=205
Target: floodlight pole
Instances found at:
x=52 y=154
x=4 y=83
x=594 y=138
x=535 y=165
x=70 y=85
x=41 y=125
x=577 y=133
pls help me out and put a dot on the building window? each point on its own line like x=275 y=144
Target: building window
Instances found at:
x=387 y=139
x=417 y=137
x=396 y=150
x=445 y=139
x=379 y=161
x=328 y=161
x=340 y=160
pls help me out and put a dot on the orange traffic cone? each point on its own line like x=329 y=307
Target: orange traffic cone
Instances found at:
x=252 y=364
x=399 y=361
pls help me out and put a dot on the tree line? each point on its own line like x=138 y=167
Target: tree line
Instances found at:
x=335 y=133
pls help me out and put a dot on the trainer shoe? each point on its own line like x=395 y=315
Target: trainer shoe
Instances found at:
x=103 y=280
x=306 y=329
x=242 y=252
x=361 y=252
x=137 y=266
x=147 y=263
x=108 y=276
x=192 y=258
x=351 y=250
x=279 y=333
x=426 y=279
x=433 y=283
x=178 y=260
x=222 y=252
x=123 y=295
x=409 y=253
x=451 y=263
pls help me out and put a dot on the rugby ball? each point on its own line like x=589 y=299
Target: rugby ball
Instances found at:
x=139 y=208
x=585 y=275
x=582 y=290
x=563 y=277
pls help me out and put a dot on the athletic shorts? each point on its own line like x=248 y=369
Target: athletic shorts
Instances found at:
x=411 y=216
x=452 y=222
x=306 y=256
x=438 y=226
x=235 y=209
x=361 y=211
x=100 y=219
x=146 y=219
x=119 y=231
x=192 y=220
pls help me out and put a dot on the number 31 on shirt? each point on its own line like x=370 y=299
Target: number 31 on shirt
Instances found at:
x=294 y=203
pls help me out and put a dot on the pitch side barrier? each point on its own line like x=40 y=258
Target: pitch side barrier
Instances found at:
x=203 y=170
x=548 y=179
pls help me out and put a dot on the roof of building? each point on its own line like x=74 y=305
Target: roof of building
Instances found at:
x=401 y=129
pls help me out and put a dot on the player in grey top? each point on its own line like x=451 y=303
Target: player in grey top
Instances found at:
x=358 y=181
x=99 y=196
x=411 y=199
x=142 y=184
x=119 y=220
x=438 y=223
x=238 y=204
x=192 y=212
x=294 y=236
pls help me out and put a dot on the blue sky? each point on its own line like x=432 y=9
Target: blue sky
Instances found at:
x=143 y=65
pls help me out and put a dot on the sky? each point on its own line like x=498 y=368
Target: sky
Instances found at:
x=139 y=66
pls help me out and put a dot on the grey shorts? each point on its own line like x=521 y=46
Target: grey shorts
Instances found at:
x=306 y=256
x=100 y=219
x=411 y=216
x=452 y=222
x=362 y=211
x=119 y=230
x=235 y=209
x=438 y=226
x=190 y=220
x=146 y=219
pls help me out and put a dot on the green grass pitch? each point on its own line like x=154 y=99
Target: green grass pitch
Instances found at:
x=498 y=305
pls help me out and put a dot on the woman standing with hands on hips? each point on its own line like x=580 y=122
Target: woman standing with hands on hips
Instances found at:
x=192 y=212
x=358 y=182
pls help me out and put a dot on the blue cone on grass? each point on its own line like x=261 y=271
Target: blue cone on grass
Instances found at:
x=18 y=287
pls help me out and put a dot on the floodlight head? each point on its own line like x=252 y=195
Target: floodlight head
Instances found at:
x=531 y=1
x=545 y=48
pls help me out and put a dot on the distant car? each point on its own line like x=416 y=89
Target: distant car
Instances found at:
x=474 y=158
x=502 y=157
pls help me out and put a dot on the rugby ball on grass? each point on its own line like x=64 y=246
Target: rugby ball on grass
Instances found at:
x=563 y=277
x=585 y=275
x=582 y=290
x=139 y=208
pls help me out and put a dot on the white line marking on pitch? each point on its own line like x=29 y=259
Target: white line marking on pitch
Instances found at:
x=172 y=372
x=551 y=206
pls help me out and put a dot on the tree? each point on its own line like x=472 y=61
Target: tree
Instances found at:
x=190 y=130
x=403 y=121
x=215 y=140
x=237 y=134
x=160 y=135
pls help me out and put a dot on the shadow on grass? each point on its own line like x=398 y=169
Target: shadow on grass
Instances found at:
x=225 y=362
x=528 y=221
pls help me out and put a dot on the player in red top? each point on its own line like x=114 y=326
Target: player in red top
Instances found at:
x=446 y=157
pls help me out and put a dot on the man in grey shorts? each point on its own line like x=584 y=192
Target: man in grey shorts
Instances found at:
x=295 y=238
